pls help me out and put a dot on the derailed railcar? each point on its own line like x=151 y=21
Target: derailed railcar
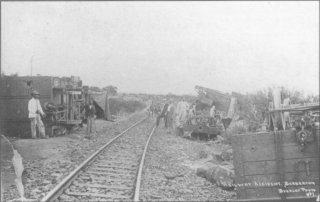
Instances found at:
x=272 y=166
x=62 y=99
x=101 y=102
x=200 y=124
x=282 y=164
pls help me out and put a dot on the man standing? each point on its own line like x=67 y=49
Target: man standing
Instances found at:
x=35 y=110
x=182 y=112
x=90 y=112
x=170 y=115
x=212 y=114
x=163 y=115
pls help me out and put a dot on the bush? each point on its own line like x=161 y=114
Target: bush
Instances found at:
x=122 y=106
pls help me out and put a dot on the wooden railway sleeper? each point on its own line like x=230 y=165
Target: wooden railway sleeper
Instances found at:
x=108 y=174
x=112 y=159
x=106 y=182
x=109 y=177
x=109 y=197
x=132 y=168
x=129 y=166
x=99 y=179
x=110 y=170
x=103 y=186
x=116 y=163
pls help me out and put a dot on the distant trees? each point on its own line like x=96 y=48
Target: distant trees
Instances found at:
x=298 y=97
x=11 y=75
x=111 y=90
x=95 y=88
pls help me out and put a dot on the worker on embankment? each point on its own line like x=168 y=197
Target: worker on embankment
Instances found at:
x=35 y=113
x=163 y=115
x=181 y=116
x=170 y=115
x=90 y=113
x=212 y=114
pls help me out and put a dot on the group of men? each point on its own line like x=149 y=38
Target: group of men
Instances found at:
x=36 y=113
x=174 y=113
x=179 y=113
x=167 y=114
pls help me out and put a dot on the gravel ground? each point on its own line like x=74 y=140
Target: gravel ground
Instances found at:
x=48 y=161
x=114 y=170
x=170 y=171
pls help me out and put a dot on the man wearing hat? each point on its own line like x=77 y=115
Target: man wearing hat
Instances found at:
x=35 y=110
x=90 y=114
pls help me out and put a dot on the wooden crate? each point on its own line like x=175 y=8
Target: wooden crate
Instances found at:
x=265 y=162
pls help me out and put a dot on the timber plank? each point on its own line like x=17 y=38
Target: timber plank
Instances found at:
x=265 y=138
x=267 y=152
x=269 y=167
x=299 y=176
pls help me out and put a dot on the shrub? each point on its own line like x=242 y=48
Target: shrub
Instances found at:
x=122 y=106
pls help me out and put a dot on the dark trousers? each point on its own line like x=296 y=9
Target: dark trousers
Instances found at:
x=165 y=120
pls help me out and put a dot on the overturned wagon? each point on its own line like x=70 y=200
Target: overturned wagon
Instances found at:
x=201 y=124
x=62 y=99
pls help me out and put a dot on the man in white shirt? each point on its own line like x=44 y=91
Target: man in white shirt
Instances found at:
x=213 y=111
x=170 y=114
x=35 y=110
x=181 y=116
x=212 y=114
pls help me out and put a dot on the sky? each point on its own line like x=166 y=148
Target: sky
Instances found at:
x=166 y=47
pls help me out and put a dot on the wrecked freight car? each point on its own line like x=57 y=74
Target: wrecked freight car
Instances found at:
x=62 y=99
x=281 y=164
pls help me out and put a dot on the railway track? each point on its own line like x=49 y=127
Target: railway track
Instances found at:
x=112 y=173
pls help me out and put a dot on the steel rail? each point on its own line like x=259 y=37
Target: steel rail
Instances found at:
x=56 y=192
x=138 y=181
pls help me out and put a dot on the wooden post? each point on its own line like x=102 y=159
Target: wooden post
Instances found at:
x=277 y=105
x=232 y=108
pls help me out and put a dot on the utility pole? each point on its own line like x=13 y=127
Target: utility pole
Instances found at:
x=31 y=65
